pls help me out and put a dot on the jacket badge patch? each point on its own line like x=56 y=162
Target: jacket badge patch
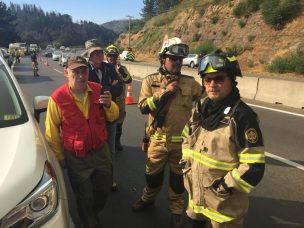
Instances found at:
x=251 y=135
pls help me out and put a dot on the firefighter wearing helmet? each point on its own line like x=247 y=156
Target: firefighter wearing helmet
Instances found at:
x=112 y=53
x=223 y=150
x=166 y=97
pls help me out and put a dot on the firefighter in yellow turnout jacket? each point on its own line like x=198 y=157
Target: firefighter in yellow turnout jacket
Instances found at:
x=223 y=155
x=167 y=97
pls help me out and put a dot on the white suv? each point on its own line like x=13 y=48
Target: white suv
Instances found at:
x=32 y=192
x=192 y=60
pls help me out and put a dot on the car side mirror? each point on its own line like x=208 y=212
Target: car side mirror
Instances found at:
x=40 y=106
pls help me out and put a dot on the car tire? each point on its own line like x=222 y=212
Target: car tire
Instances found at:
x=192 y=65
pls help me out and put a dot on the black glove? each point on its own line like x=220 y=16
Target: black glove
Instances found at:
x=164 y=98
x=215 y=187
x=121 y=70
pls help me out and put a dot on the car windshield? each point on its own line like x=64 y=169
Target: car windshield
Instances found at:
x=12 y=111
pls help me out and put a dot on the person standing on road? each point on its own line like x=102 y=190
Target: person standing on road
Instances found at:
x=34 y=63
x=113 y=58
x=76 y=117
x=105 y=74
x=167 y=96
x=223 y=155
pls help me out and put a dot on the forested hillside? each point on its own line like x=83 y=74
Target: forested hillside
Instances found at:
x=30 y=24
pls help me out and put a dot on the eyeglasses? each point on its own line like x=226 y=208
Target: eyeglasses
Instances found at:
x=175 y=58
x=177 y=49
x=220 y=79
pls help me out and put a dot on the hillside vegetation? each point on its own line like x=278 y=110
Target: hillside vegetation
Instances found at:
x=258 y=32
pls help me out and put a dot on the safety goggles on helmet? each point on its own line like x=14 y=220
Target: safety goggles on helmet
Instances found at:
x=176 y=49
x=112 y=52
x=218 y=62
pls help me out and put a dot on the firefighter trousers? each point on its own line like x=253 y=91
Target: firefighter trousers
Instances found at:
x=158 y=155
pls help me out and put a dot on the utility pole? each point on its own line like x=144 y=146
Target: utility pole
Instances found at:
x=130 y=17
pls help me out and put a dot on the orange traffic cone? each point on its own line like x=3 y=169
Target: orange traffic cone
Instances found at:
x=39 y=58
x=129 y=97
x=46 y=63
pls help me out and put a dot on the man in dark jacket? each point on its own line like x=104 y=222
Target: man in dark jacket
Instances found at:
x=104 y=73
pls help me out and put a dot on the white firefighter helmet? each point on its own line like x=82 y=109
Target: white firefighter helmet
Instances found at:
x=174 y=46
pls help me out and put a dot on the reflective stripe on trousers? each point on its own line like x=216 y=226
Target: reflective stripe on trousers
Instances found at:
x=163 y=138
x=213 y=215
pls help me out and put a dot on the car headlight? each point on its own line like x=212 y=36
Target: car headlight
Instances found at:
x=39 y=206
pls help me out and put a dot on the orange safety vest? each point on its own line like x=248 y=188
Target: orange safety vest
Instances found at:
x=80 y=135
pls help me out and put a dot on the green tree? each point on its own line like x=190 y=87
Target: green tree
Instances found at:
x=278 y=13
x=149 y=9
x=33 y=25
x=7 y=25
x=162 y=6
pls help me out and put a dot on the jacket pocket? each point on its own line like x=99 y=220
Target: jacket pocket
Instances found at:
x=68 y=144
x=79 y=148
x=187 y=97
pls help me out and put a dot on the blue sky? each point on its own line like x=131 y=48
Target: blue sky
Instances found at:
x=97 y=11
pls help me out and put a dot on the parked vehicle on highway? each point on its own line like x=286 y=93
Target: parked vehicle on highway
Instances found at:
x=56 y=55
x=50 y=46
x=127 y=55
x=22 y=47
x=32 y=192
x=192 y=60
x=6 y=56
x=34 y=47
x=64 y=58
x=48 y=52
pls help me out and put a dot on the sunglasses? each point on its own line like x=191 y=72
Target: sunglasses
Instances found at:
x=217 y=79
x=175 y=58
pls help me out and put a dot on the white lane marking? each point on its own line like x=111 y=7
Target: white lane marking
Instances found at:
x=276 y=110
x=288 y=162
x=58 y=71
